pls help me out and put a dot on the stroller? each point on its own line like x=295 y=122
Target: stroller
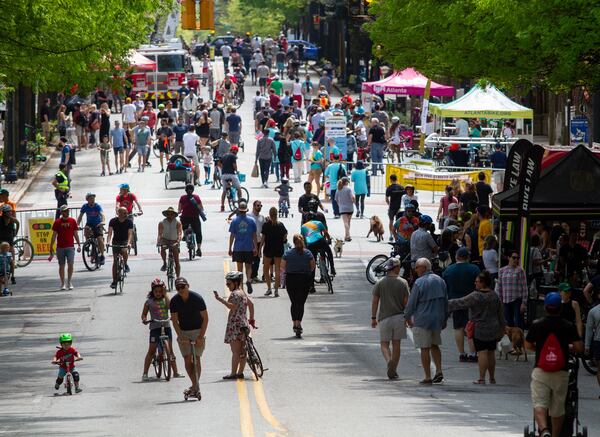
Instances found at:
x=571 y=425
x=179 y=169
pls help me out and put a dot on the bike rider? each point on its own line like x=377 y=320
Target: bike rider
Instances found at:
x=126 y=199
x=317 y=239
x=422 y=244
x=405 y=225
x=169 y=235
x=312 y=212
x=191 y=210
x=120 y=233
x=229 y=173
x=95 y=221
x=239 y=77
x=228 y=88
x=65 y=357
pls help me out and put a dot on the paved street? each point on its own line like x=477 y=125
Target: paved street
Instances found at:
x=330 y=383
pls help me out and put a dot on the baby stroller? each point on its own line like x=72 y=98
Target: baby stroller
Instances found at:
x=179 y=169
x=571 y=425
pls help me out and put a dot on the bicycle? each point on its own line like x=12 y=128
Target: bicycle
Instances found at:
x=90 y=253
x=376 y=267
x=323 y=265
x=68 y=379
x=121 y=272
x=161 y=361
x=135 y=238
x=252 y=357
x=233 y=199
x=188 y=393
x=190 y=241
x=23 y=251
x=170 y=264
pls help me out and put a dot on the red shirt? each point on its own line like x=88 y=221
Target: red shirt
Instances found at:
x=187 y=207
x=68 y=357
x=193 y=83
x=151 y=118
x=65 y=230
x=274 y=100
x=126 y=201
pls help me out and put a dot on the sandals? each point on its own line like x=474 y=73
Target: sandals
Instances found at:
x=235 y=376
x=479 y=382
x=492 y=381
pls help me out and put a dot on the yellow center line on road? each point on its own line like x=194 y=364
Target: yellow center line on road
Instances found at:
x=245 y=414
x=263 y=406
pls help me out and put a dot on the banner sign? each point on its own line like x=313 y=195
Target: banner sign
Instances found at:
x=335 y=127
x=531 y=169
x=514 y=163
x=40 y=234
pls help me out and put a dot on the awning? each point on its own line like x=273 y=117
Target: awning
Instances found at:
x=140 y=62
x=406 y=82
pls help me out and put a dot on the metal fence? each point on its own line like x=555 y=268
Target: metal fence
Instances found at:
x=36 y=226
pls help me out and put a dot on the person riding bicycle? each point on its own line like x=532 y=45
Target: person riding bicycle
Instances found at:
x=317 y=240
x=170 y=234
x=157 y=304
x=229 y=173
x=65 y=357
x=120 y=234
x=237 y=322
x=227 y=88
x=239 y=77
x=312 y=212
x=95 y=221
x=422 y=244
x=127 y=199
x=406 y=224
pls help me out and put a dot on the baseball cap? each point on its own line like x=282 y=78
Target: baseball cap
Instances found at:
x=453 y=228
x=552 y=300
x=426 y=219
x=64 y=208
x=181 y=281
x=452 y=206
x=564 y=286
x=391 y=264
x=462 y=253
x=234 y=149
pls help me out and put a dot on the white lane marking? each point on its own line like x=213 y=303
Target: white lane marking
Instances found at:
x=37 y=399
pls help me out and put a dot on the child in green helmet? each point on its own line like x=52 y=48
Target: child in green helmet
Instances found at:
x=65 y=357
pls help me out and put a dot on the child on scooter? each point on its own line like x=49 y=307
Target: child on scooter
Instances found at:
x=65 y=357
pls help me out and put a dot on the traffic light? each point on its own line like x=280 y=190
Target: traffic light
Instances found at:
x=207 y=15
x=188 y=14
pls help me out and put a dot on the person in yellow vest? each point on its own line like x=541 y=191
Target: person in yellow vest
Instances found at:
x=61 y=185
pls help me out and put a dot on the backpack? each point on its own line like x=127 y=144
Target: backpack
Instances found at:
x=258 y=105
x=552 y=358
x=341 y=172
x=298 y=153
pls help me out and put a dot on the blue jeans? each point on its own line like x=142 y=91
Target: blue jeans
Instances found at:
x=512 y=313
x=377 y=157
x=334 y=204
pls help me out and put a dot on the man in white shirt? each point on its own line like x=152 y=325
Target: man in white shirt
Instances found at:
x=462 y=128
x=189 y=104
x=225 y=53
x=262 y=73
x=190 y=149
x=128 y=113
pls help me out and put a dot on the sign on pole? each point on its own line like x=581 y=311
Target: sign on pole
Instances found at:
x=40 y=234
x=335 y=127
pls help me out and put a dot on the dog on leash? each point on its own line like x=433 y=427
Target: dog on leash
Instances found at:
x=376 y=228
x=517 y=339
x=338 y=247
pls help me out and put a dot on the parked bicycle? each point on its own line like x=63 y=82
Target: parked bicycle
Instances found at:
x=90 y=252
x=252 y=357
x=162 y=360
x=23 y=251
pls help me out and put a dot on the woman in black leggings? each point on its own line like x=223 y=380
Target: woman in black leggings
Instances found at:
x=298 y=264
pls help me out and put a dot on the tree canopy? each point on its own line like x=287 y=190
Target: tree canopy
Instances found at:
x=264 y=17
x=54 y=44
x=537 y=42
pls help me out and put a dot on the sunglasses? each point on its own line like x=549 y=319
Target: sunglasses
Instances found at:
x=180 y=286
x=514 y=257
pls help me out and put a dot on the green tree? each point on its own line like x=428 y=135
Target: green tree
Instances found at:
x=53 y=44
x=242 y=16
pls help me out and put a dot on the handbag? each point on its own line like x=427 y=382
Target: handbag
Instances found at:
x=470 y=329
x=254 y=173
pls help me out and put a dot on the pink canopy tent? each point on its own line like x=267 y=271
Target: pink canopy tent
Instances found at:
x=142 y=63
x=406 y=82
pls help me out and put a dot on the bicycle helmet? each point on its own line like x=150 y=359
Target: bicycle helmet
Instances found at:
x=234 y=276
x=88 y=195
x=157 y=283
x=65 y=337
x=161 y=106
x=395 y=119
x=312 y=205
x=124 y=186
x=425 y=219
x=553 y=300
x=234 y=149
x=6 y=208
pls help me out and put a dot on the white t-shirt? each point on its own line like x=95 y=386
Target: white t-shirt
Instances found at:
x=260 y=221
x=128 y=112
x=462 y=128
x=225 y=51
x=490 y=260
x=297 y=89
x=190 y=139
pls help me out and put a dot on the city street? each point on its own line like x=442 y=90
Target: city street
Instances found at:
x=330 y=383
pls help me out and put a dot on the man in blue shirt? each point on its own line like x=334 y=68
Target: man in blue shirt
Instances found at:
x=460 y=281
x=426 y=313
x=95 y=221
x=179 y=130
x=67 y=155
x=243 y=243
x=118 y=139
x=234 y=127
x=334 y=172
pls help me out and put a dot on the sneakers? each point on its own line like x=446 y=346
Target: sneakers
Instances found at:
x=5 y=292
x=199 y=253
x=56 y=386
x=113 y=285
x=127 y=268
x=391 y=239
x=471 y=358
x=63 y=287
x=269 y=292
x=163 y=268
x=70 y=286
x=249 y=285
x=222 y=208
x=162 y=170
x=439 y=377
x=463 y=358
x=276 y=294
x=78 y=390
x=13 y=281
x=145 y=378
x=102 y=260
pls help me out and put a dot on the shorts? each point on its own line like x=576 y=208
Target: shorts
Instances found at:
x=392 y=212
x=316 y=173
x=234 y=137
x=62 y=372
x=155 y=334
x=392 y=328
x=482 y=345
x=280 y=65
x=65 y=254
x=118 y=149
x=178 y=145
x=262 y=81
x=234 y=181
x=117 y=250
x=595 y=350
x=186 y=347
x=162 y=149
x=97 y=231
x=243 y=257
x=460 y=319
x=549 y=390
x=425 y=338
x=141 y=150
x=165 y=242
x=193 y=157
x=273 y=252
x=78 y=130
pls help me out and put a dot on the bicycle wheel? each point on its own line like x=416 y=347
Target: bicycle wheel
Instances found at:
x=166 y=361
x=590 y=365
x=155 y=150
x=171 y=275
x=88 y=258
x=167 y=177
x=135 y=240
x=253 y=359
x=23 y=251
x=328 y=278
x=373 y=271
x=121 y=278
x=69 y=384
x=157 y=363
x=191 y=245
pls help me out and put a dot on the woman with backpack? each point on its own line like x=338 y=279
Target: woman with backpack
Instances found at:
x=297 y=145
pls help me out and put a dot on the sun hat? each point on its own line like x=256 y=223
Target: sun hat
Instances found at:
x=170 y=210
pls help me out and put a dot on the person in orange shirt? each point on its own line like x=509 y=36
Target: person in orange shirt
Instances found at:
x=4 y=201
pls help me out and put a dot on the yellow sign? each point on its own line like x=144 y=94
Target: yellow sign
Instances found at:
x=427 y=180
x=40 y=234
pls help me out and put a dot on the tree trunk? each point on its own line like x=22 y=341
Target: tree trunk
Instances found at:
x=551 y=118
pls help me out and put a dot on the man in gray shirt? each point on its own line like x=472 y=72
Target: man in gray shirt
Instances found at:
x=218 y=117
x=265 y=150
x=426 y=313
x=422 y=244
x=390 y=295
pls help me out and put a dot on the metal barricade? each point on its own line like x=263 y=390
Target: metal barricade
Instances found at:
x=36 y=226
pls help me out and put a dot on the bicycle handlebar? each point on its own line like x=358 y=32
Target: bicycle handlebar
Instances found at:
x=145 y=322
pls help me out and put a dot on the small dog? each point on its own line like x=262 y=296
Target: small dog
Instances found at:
x=338 y=247
x=504 y=347
x=376 y=228
x=517 y=338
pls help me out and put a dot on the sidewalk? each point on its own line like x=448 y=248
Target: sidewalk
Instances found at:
x=18 y=189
